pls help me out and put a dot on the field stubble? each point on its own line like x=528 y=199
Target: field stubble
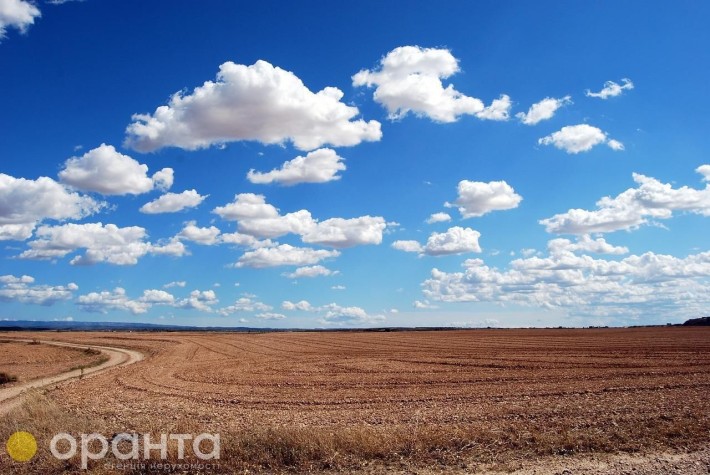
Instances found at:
x=345 y=401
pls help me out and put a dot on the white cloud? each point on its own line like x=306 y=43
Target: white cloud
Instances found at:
x=25 y=203
x=579 y=138
x=18 y=14
x=22 y=289
x=206 y=236
x=336 y=314
x=438 y=218
x=201 y=300
x=310 y=271
x=649 y=283
x=106 y=171
x=341 y=233
x=284 y=255
x=102 y=302
x=543 y=110
x=257 y=218
x=455 y=240
x=585 y=244
x=408 y=246
x=477 y=198
x=634 y=207
x=177 y=283
x=498 y=110
x=704 y=170
x=173 y=202
x=611 y=89
x=338 y=287
x=318 y=166
x=270 y=316
x=245 y=304
x=424 y=305
x=258 y=102
x=409 y=80
x=302 y=305
x=157 y=297
x=103 y=243
x=260 y=219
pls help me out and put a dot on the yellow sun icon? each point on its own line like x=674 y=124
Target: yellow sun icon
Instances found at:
x=21 y=446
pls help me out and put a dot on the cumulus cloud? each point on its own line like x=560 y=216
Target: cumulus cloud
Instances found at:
x=310 y=271
x=284 y=255
x=611 y=89
x=25 y=203
x=424 y=305
x=302 y=305
x=543 y=110
x=201 y=300
x=455 y=240
x=579 y=138
x=173 y=202
x=245 y=304
x=23 y=289
x=18 y=14
x=578 y=282
x=257 y=218
x=338 y=315
x=106 y=171
x=651 y=200
x=584 y=243
x=408 y=246
x=270 y=316
x=102 y=302
x=318 y=166
x=157 y=297
x=258 y=102
x=177 y=283
x=477 y=198
x=409 y=80
x=103 y=243
x=438 y=218
x=206 y=236
x=342 y=233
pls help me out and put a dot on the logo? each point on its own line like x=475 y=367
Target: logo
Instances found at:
x=21 y=446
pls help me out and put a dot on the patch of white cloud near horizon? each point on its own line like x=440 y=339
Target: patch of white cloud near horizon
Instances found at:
x=18 y=14
x=257 y=218
x=477 y=198
x=338 y=315
x=650 y=200
x=104 y=301
x=423 y=305
x=103 y=243
x=409 y=80
x=270 y=316
x=243 y=305
x=579 y=138
x=636 y=285
x=26 y=203
x=310 y=271
x=284 y=255
x=543 y=110
x=109 y=172
x=438 y=218
x=611 y=89
x=258 y=102
x=318 y=166
x=176 y=283
x=302 y=305
x=24 y=290
x=173 y=202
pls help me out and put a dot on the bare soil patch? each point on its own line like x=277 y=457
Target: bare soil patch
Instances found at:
x=430 y=402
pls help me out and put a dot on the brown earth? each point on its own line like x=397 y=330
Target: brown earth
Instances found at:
x=32 y=360
x=427 y=402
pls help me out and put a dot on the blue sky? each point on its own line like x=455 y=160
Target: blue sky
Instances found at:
x=327 y=165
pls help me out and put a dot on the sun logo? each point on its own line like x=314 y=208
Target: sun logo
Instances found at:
x=21 y=446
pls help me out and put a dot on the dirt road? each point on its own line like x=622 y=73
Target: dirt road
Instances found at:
x=11 y=397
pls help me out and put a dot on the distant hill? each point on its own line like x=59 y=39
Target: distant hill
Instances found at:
x=698 y=322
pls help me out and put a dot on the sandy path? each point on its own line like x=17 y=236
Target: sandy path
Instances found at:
x=11 y=397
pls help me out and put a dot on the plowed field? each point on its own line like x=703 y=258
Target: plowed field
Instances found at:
x=451 y=398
